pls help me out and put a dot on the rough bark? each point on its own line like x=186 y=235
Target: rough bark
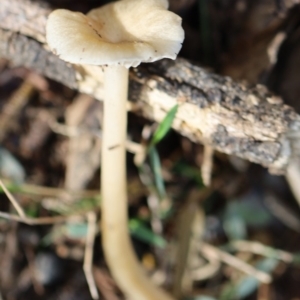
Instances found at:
x=214 y=110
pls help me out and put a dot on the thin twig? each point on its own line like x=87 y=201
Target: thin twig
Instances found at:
x=260 y=249
x=134 y=148
x=154 y=206
x=105 y=284
x=12 y=108
x=12 y=199
x=9 y=254
x=88 y=255
x=22 y=218
x=213 y=252
x=281 y=211
x=191 y=223
x=207 y=164
x=38 y=287
x=293 y=176
x=207 y=271
x=36 y=221
x=52 y=191
x=74 y=131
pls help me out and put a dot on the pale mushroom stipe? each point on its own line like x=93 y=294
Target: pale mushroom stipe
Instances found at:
x=118 y=35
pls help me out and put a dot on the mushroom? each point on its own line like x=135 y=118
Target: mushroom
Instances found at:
x=118 y=35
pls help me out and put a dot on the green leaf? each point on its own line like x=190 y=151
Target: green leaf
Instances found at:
x=156 y=168
x=139 y=230
x=164 y=126
x=10 y=167
x=76 y=230
x=235 y=227
x=241 y=213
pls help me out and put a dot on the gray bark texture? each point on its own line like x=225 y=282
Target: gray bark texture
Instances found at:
x=250 y=123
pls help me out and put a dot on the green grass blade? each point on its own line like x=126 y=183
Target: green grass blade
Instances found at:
x=139 y=230
x=156 y=168
x=164 y=126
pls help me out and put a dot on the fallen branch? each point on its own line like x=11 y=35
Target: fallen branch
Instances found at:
x=247 y=122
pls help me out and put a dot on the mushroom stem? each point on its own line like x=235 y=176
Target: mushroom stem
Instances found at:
x=117 y=246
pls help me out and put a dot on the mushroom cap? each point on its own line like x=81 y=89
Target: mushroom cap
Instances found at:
x=125 y=32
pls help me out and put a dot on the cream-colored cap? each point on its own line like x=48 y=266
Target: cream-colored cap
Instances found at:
x=125 y=32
